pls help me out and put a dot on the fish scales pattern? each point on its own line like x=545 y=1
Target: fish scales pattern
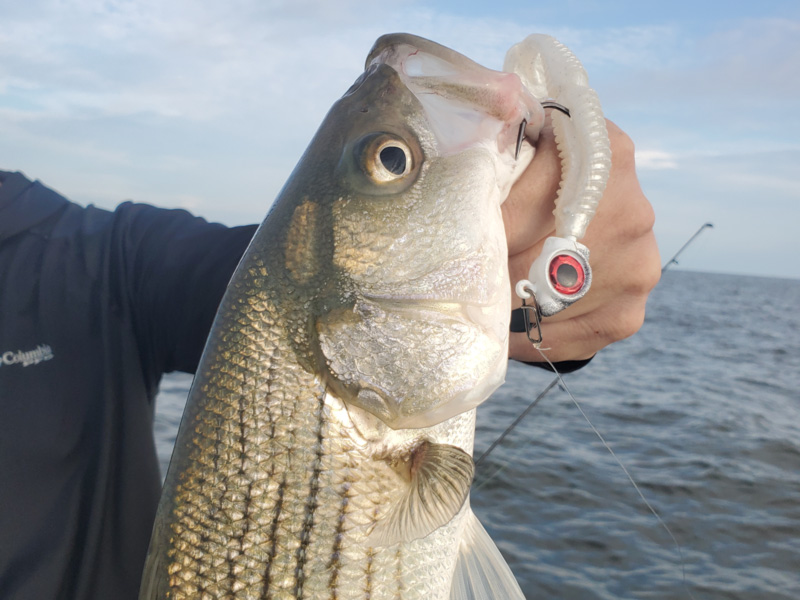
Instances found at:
x=242 y=490
x=279 y=493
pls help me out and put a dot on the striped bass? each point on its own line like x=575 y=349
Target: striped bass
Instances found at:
x=325 y=449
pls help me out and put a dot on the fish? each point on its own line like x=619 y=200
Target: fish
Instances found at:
x=325 y=450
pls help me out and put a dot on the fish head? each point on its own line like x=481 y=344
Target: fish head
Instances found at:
x=403 y=185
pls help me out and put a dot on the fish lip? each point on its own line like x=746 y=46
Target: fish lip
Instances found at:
x=444 y=305
x=451 y=86
x=492 y=317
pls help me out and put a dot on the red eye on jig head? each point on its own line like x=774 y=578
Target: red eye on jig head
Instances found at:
x=566 y=274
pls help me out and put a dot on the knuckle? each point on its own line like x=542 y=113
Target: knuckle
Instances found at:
x=653 y=274
x=644 y=275
x=630 y=322
x=647 y=216
x=640 y=218
x=651 y=265
x=623 y=150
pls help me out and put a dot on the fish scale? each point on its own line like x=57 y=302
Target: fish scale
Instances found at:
x=224 y=461
x=285 y=525
x=325 y=448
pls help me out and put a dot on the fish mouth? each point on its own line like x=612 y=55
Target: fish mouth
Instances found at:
x=489 y=316
x=464 y=101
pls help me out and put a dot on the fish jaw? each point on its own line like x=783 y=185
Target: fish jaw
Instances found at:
x=417 y=364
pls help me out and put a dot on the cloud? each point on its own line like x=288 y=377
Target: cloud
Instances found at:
x=202 y=61
x=764 y=182
x=746 y=69
x=655 y=160
x=751 y=198
x=209 y=105
x=246 y=70
x=757 y=60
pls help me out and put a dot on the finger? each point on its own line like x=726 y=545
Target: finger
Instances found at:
x=611 y=311
x=528 y=210
x=583 y=336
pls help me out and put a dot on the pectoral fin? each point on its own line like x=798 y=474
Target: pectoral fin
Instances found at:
x=481 y=571
x=439 y=478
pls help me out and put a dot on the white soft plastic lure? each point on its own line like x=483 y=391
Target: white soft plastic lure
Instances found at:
x=561 y=275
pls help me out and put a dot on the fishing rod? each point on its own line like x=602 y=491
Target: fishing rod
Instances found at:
x=673 y=260
x=555 y=380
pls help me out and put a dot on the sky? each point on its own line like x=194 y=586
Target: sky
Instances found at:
x=208 y=105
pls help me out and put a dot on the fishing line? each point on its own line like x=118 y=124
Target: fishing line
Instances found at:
x=625 y=470
x=508 y=430
x=558 y=378
x=511 y=427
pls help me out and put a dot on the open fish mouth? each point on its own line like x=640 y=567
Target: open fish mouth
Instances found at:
x=464 y=101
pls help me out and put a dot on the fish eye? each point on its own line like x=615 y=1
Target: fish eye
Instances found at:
x=387 y=159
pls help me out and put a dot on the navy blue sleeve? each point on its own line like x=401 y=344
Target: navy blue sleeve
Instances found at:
x=176 y=269
x=565 y=366
x=517 y=325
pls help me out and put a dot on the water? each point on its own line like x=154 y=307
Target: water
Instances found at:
x=703 y=408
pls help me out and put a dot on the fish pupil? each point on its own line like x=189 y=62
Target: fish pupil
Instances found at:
x=393 y=159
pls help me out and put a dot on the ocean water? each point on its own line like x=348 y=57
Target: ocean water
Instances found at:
x=702 y=407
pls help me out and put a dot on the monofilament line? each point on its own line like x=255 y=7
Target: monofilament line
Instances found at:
x=511 y=427
x=622 y=466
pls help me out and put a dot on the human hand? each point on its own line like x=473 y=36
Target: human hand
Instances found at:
x=623 y=253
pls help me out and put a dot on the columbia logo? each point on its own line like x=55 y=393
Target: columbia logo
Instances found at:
x=26 y=359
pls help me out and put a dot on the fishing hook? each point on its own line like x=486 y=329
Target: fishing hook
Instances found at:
x=529 y=310
x=557 y=106
x=521 y=133
x=520 y=137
